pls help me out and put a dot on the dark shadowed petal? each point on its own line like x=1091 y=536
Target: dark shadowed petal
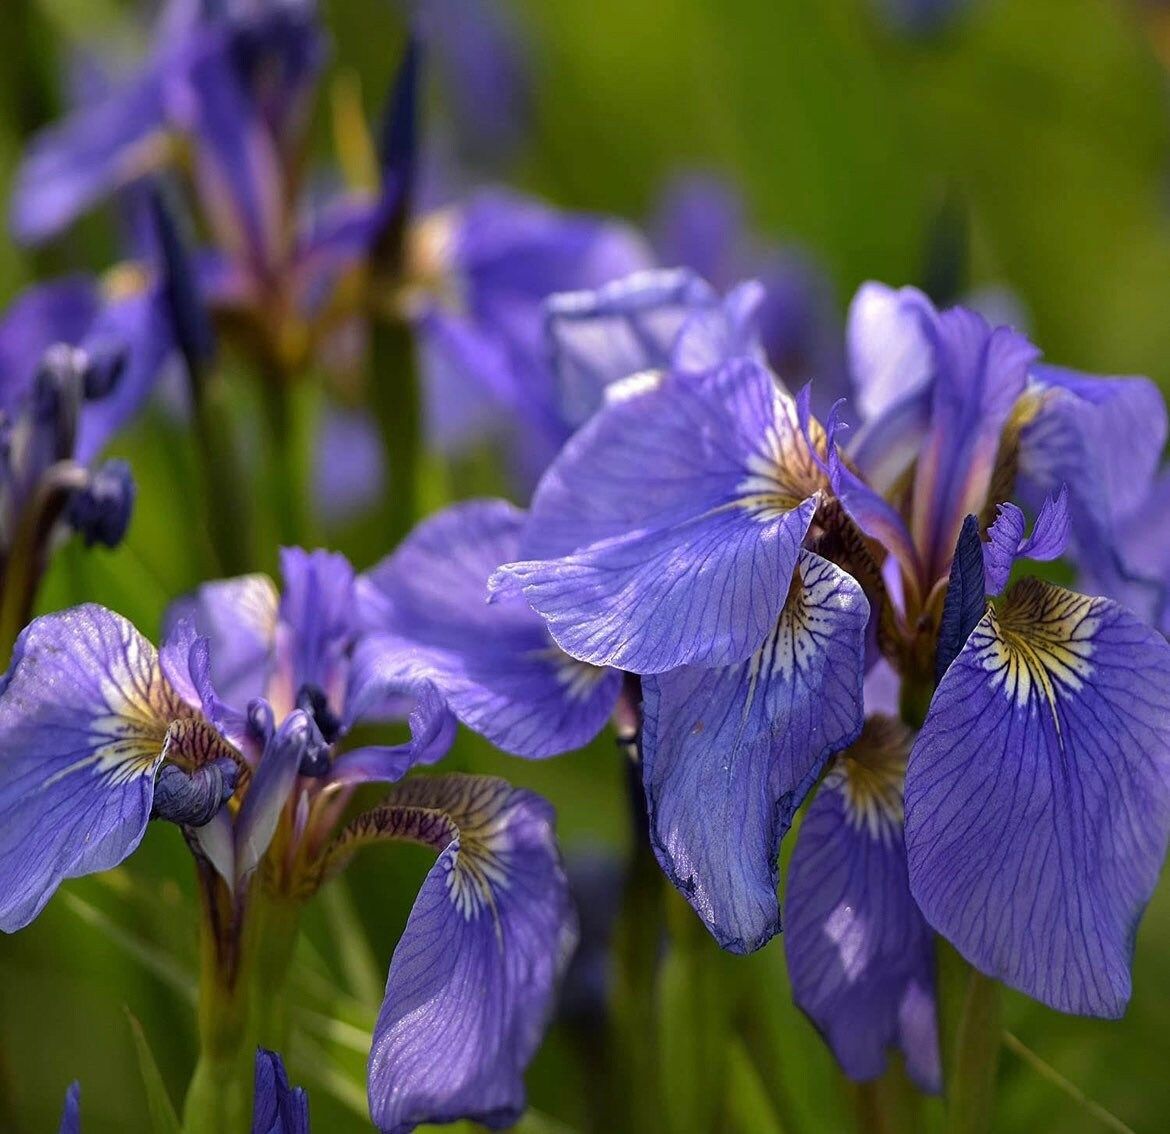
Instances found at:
x=1038 y=795
x=496 y=665
x=473 y=979
x=99 y=148
x=860 y=955
x=83 y=716
x=667 y=531
x=980 y=373
x=277 y=1108
x=729 y=754
x=630 y=325
x=58 y=312
x=238 y=618
x=966 y=597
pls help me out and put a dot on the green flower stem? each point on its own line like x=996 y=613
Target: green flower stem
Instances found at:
x=633 y=1004
x=225 y=502
x=397 y=405
x=288 y=445
x=246 y=949
x=974 y=1056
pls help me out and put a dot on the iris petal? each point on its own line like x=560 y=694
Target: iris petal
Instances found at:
x=84 y=714
x=496 y=665
x=860 y=955
x=667 y=531
x=473 y=979
x=729 y=754
x=1038 y=795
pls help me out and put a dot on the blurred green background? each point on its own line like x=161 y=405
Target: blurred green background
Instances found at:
x=1043 y=123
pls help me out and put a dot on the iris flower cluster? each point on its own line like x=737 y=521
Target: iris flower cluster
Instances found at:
x=794 y=624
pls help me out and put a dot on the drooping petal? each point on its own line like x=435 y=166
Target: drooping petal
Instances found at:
x=860 y=955
x=667 y=531
x=1038 y=795
x=473 y=978
x=277 y=1108
x=628 y=326
x=84 y=713
x=980 y=373
x=496 y=665
x=729 y=754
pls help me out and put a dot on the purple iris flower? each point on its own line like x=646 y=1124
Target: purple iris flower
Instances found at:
x=704 y=530
x=251 y=699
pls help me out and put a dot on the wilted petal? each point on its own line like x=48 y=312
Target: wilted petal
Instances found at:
x=860 y=955
x=84 y=713
x=473 y=979
x=277 y=1108
x=1038 y=795
x=667 y=531
x=729 y=754
x=496 y=665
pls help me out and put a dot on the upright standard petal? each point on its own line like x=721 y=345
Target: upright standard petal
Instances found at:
x=860 y=955
x=667 y=531
x=238 y=617
x=71 y=1112
x=84 y=713
x=729 y=754
x=1038 y=795
x=494 y=663
x=473 y=979
x=980 y=373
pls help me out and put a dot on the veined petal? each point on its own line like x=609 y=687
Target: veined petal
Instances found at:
x=84 y=712
x=496 y=665
x=729 y=754
x=1038 y=795
x=667 y=531
x=473 y=979
x=860 y=955
x=623 y=328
